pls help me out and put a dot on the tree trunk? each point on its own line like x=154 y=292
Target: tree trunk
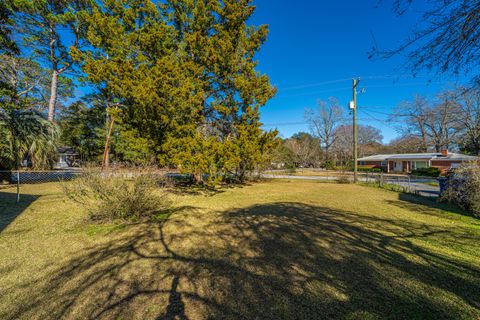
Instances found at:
x=198 y=177
x=53 y=96
x=106 y=153
x=106 y=160
x=327 y=148
x=424 y=143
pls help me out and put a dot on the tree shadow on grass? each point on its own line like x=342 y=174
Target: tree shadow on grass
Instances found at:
x=176 y=307
x=10 y=209
x=203 y=190
x=273 y=261
x=194 y=190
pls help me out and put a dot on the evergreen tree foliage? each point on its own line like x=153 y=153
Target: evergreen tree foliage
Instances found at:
x=7 y=44
x=83 y=128
x=185 y=72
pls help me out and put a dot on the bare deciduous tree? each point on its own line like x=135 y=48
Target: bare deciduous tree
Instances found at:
x=412 y=115
x=437 y=124
x=470 y=103
x=304 y=148
x=369 y=141
x=406 y=144
x=325 y=121
x=444 y=122
x=446 y=39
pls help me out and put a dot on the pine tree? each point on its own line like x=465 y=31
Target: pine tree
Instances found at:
x=49 y=28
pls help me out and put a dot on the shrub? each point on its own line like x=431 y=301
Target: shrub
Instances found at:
x=463 y=187
x=349 y=165
x=329 y=165
x=114 y=195
x=369 y=169
x=427 y=172
x=344 y=179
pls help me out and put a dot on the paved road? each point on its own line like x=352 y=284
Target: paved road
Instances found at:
x=415 y=185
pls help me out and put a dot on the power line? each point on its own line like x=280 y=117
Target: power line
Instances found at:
x=384 y=122
x=281 y=96
x=432 y=112
x=378 y=112
x=315 y=84
x=378 y=107
x=302 y=94
x=312 y=92
x=374 y=77
x=280 y=124
x=406 y=84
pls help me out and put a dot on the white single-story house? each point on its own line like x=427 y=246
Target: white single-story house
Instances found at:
x=411 y=161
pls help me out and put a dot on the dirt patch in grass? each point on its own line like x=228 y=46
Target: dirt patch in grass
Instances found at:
x=276 y=250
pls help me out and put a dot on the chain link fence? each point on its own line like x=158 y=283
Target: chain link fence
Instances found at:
x=424 y=186
x=16 y=179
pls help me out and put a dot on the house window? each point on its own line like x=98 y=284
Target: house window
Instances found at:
x=420 y=164
x=362 y=163
x=383 y=163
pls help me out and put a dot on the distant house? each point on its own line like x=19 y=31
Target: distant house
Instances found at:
x=411 y=161
x=67 y=158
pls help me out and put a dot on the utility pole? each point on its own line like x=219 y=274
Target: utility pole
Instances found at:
x=355 y=151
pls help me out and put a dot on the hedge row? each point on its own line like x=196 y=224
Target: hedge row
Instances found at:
x=427 y=172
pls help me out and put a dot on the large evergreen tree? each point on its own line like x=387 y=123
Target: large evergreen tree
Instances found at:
x=185 y=73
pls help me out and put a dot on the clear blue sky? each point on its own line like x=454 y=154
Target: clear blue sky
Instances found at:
x=312 y=42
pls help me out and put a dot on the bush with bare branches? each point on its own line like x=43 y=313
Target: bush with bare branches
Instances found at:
x=118 y=195
x=464 y=187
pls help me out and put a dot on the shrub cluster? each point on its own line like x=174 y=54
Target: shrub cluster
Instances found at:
x=344 y=179
x=427 y=172
x=329 y=165
x=369 y=169
x=463 y=187
x=116 y=195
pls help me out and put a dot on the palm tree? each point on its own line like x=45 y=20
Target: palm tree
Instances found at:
x=27 y=133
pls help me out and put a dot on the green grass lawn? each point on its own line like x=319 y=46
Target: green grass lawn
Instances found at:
x=272 y=250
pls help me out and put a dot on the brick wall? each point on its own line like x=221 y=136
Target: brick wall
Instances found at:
x=373 y=164
x=443 y=165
